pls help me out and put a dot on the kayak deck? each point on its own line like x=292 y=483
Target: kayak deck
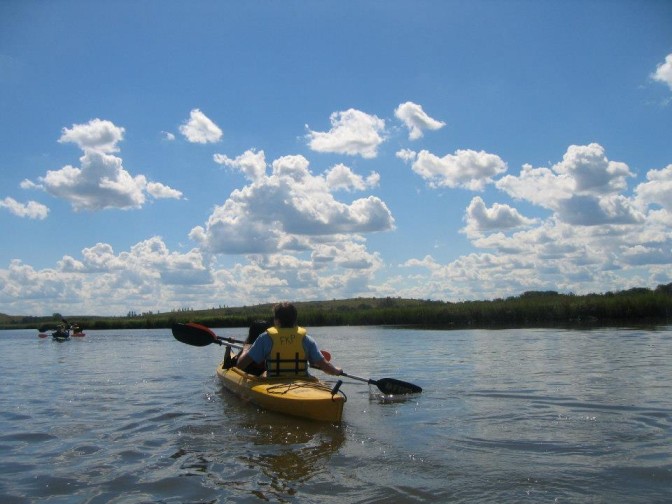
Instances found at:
x=305 y=397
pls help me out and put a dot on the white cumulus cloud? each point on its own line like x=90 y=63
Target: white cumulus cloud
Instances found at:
x=200 y=129
x=540 y=186
x=406 y=155
x=352 y=132
x=658 y=189
x=663 y=72
x=148 y=276
x=583 y=189
x=595 y=236
x=342 y=177
x=588 y=210
x=290 y=209
x=466 y=169
x=480 y=218
x=161 y=191
x=252 y=164
x=97 y=134
x=416 y=120
x=101 y=181
x=31 y=210
x=591 y=171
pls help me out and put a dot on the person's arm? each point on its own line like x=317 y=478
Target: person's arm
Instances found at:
x=255 y=353
x=244 y=360
x=328 y=367
x=316 y=358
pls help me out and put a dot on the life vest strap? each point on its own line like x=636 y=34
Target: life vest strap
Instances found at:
x=274 y=369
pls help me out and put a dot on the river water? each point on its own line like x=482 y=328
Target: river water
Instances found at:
x=532 y=415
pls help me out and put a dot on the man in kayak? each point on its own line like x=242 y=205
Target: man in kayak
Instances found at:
x=286 y=348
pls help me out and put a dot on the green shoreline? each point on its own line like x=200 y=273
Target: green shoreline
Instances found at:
x=637 y=306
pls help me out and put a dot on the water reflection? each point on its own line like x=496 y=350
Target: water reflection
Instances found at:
x=247 y=453
x=284 y=453
x=376 y=395
x=296 y=453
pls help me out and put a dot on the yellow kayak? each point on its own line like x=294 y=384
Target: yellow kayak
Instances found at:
x=305 y=397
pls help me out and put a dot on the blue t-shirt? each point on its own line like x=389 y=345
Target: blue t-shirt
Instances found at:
x=262 y=347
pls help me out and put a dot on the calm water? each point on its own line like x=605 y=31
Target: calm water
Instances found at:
x=505 y=416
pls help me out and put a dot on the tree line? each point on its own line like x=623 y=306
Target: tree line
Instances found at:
x=530 y=309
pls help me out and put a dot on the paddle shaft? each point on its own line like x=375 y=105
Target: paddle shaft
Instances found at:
x=389 y=386
x=359 y=378
x=239 y=345
x=229 y=341
x=200 y=335
x=234 y=345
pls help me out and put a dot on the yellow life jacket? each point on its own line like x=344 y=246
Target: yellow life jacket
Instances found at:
x=287 y=354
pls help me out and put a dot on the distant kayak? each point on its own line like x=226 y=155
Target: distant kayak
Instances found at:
x=60 y=335
x=62 y=332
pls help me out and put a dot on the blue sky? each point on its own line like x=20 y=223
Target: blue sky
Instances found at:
x=167 y=155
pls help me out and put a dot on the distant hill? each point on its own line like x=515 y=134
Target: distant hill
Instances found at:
x=530 y=309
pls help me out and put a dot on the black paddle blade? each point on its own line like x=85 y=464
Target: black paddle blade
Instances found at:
x=390 y=386
x=193 y=334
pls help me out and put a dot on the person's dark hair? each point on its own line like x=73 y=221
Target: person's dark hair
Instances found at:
x=257 y=328
x=286 y=314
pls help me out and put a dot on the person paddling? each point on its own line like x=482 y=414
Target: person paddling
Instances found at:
x=286 y=348
x=257 y=328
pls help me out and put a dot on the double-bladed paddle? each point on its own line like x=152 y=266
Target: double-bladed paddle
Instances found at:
x=195 y=334
x=389 y=386
x=199 y=335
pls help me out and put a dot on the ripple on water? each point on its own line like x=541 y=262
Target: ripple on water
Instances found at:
x=505 y=416
x=27 y=437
